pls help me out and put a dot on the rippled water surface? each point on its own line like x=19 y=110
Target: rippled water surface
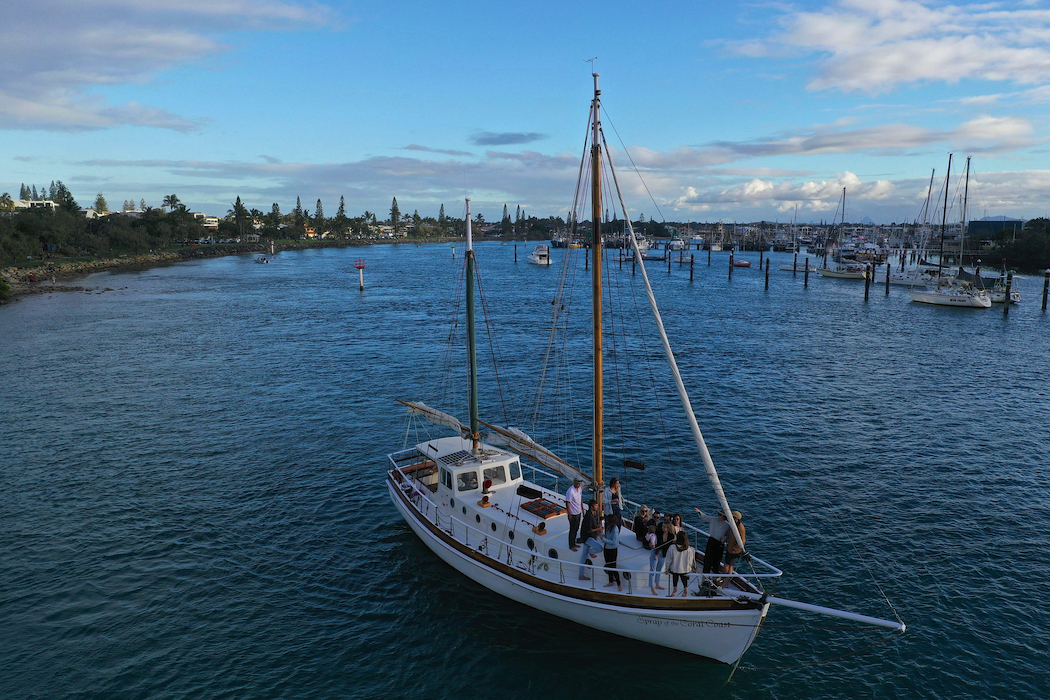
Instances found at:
x=193 y=500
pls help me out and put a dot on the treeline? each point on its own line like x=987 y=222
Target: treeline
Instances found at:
x=1028 y=251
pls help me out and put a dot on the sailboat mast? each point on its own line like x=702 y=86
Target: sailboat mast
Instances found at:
x=966 y=197
x=596 y=284
x=472 y=355
x=944 y=217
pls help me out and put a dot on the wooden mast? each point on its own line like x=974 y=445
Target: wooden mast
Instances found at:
x=472 y=356
x=944 y=219
x=596 y=286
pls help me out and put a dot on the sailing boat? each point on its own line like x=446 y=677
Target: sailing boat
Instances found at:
x=950 y=291
x=469 y=501
x=844 y=269
x=806 y=262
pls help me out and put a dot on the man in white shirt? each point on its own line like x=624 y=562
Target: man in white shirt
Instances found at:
x=574 y=504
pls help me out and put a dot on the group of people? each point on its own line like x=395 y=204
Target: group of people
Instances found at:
x=661 y=533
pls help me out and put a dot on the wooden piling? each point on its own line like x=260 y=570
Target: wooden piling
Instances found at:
x=633 y=257
x=730 y=264
x=794 y=264
x=668 y=253
x=805 y=282
x=692 y=259
x=867 y=280
x=709 y=257
x=1009 y=288
x=761 y=254
x=515 y=252
x=767 y=274
x=586 y=261
x=887 y=276
x=1046 y=286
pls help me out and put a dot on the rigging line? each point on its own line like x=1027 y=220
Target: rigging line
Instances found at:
x=628 y=154
x=863 y=563
x=493 y=349
x=652 y=375
x=823 y=661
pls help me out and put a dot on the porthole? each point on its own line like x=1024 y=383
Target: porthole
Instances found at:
x=464 y=510
x=452 y=501
x=493 y=527
x=553 y=554
x=531 y=543
x=478 y=518
x=510 y=534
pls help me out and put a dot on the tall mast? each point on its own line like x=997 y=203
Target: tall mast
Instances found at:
x=596 y=283
x=472 y=355
x=966 y=196
x=944 y=217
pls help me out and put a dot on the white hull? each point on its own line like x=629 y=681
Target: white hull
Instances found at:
x=720 y=635
x=841 y=274
x=999 y=296
x=534 y=260
x=961 y=299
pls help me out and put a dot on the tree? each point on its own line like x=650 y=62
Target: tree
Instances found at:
x=319 y=218
x=395 y=216
x=23 y=192
x=239 y=213
x=100 y=204
x=441 y=214
x=142 y=204
x=273 y=220
x=298 y=219
x=35 y=195
x=505 y=224
x=171 y=202
x=6 y=203
x=341 y=223
x=64 y=198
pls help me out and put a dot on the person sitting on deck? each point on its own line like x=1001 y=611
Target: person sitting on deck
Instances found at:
x=592 y=532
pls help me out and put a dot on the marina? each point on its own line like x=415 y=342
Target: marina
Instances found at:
x=258 y=511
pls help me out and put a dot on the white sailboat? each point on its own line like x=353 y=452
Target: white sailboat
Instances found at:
x=502 y=523
x=842 y=268
x=948 y=290
x=541 y=255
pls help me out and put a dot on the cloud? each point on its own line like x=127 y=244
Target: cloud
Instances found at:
x=506 y=138
x=55 y=55
x=440 y=151
x=876 y=45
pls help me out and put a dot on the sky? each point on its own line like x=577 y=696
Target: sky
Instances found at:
x=729 y=112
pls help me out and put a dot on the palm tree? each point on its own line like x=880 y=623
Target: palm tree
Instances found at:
x=239 y=212
x=170 y=201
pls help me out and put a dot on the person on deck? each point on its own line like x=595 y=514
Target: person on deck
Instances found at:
x=592 y=532
x=663 y=537
x=574 y=506
x=717 y=529
x=733 y=548
x=612 y=545
x=681 y=559
x=641 y=524
x=613 y=497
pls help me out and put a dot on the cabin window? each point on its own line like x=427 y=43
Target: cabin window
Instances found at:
x=498 y=475
x=467 y=481
x=515 y=470
x=446 y=478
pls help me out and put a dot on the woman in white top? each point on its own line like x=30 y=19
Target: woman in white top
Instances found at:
x=681 y=559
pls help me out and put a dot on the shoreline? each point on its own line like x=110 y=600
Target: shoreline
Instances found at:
x=49 y=273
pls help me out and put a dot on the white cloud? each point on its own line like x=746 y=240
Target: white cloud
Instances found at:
x=55 y=54
x=875 y=45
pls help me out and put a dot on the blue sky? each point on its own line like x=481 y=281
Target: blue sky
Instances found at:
x=735 y=112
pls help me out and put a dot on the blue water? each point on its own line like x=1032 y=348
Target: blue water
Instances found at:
x=193 y=503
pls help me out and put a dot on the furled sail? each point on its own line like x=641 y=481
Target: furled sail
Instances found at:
x=527 y=447
x=437 y=417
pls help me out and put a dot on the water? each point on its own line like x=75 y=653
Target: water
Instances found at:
x=192 y=470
